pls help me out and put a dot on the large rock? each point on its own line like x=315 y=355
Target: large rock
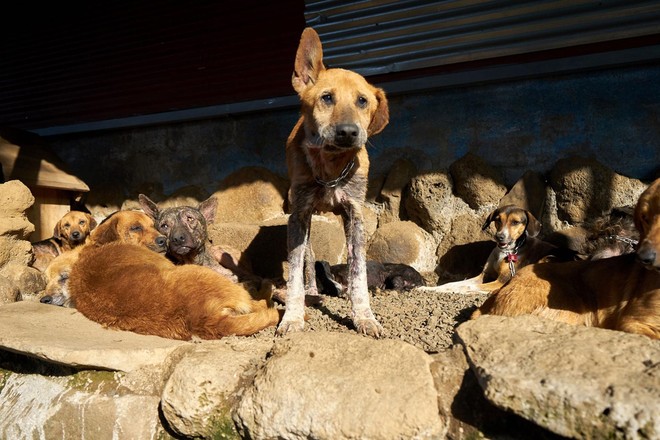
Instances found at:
x=332 y=386
x=402 y=242
x=251 y=195
x=85 y=405
x=586 y=189
x=200 y=393
x=476 y=182
x=430 y=202
x=577 y=382
x=65 y=336
x=391 y=194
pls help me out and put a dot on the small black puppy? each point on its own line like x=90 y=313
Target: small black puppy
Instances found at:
x=333 y=279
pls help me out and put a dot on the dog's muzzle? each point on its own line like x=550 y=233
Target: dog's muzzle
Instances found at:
x=647 y=255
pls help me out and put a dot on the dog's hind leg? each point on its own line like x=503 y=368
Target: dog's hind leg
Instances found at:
x=363 y=318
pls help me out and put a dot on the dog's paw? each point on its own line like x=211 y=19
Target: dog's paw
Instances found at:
x=289 y=326
x=369 y=327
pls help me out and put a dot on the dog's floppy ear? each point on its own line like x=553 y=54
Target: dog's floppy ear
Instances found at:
x=57 y=230
x=381 y=116
x=490 y=219
x=92 y=221
x=208 y=208
x=309 y=61
x=106 y=232
x=148 y=206
x=533 y=225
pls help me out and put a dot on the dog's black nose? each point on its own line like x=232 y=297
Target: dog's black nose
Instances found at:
x=161 y=241
x=46 y=299
x=346 y=134
x=75 y=234
x=646 y=255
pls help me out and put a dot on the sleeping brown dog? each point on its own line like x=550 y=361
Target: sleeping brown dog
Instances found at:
x=129 y=287
x=122 y=226
x=620 y=293
x=328 y=167
x=69 y=232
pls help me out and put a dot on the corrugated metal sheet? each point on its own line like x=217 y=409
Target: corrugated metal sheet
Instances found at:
x=384 y=36
x=75 y=62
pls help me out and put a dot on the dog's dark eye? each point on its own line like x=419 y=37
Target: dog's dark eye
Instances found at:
x=362 y=102
x=326 y=98
x=136 y=228
x=164 y=227
x=81 y=222
x=67 y=225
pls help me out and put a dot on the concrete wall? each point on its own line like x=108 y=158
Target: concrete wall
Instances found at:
x=613 y=116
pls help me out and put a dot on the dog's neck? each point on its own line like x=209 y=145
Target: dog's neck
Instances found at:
x=330 y=167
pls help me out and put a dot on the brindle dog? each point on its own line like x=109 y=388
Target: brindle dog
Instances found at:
x=187 y=234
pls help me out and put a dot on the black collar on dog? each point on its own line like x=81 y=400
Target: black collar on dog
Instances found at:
x=334 y=182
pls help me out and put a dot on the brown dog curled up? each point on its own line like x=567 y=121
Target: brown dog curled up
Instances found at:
x=619 y=293
x=122 y=226
x=129 y=287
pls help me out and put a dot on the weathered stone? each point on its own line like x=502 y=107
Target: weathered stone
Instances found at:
x=402 y=242
x=85 y=405
x=578 y=382
x=476 y=182
x=391 y=194
x=527 y=193
x=9 y=292
x=199 y=395
x=251 y=195
x=15 y=197
x=28 y=327
x=463 y=253
x=586 y=189
x=430 y=202
x=331 y=386
x=29 y=281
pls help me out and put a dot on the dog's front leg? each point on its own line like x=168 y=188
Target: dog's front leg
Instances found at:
x=298 y=228
x=363 y=318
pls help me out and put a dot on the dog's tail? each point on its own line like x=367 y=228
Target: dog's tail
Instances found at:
x=244 y=324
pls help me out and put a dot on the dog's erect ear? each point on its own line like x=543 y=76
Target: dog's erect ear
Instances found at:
x=381 y=116
x=533 y=225
x=148 y=206
x=208 y=208
x=106 y=232
x=490 y=219
x=309 y=61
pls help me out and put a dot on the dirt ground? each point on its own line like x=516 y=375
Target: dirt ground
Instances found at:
x=425 y=320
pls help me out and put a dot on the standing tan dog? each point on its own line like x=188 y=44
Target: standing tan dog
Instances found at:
x=328 y=170
x=517 y=245
x=620 y=293
x=69 y=232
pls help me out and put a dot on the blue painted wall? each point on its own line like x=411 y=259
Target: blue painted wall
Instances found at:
x=612 y=115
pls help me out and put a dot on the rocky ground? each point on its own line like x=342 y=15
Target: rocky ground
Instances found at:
x=425 y=320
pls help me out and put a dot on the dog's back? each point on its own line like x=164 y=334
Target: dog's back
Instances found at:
x=129 y=287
